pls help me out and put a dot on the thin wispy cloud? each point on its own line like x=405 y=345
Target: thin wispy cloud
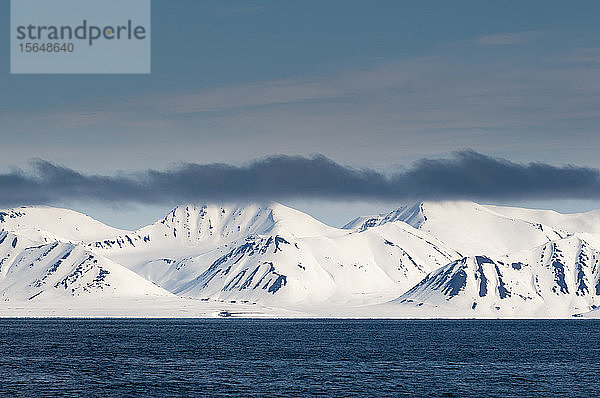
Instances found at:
x=507 y=38
x=424 y=93
x=586 y=55
x=412 y=107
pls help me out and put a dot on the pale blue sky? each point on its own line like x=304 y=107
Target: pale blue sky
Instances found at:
x=366 y=83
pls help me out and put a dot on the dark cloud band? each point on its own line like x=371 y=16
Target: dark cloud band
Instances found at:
x=466 y=175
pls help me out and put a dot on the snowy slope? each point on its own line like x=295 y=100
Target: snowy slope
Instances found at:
x=467 y=227
x=577 y=222
x=46 y=224
x=33 y=271
x=355 y=268
x=559 y=278
x=192 y=230
x=272 y=253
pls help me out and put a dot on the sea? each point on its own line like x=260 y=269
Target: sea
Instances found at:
x=297 y=358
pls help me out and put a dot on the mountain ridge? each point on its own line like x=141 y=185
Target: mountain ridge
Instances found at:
x=411 y=258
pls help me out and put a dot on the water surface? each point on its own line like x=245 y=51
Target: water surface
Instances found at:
x=236 y=357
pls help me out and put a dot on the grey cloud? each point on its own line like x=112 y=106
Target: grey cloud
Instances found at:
x=466 y=175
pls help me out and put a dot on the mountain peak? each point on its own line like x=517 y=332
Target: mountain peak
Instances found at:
x=412 y=214
x=45 y=223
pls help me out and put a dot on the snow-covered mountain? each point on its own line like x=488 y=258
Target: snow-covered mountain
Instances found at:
x=33 y=271
x=274 y=254
x=468 y=227
x=561 y=277
x=588 y=222
x=429 y=257
x=47 y=224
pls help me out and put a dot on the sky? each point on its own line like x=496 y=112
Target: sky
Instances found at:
x=378 y=85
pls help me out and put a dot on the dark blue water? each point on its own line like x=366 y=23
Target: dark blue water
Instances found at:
x=299 y=357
